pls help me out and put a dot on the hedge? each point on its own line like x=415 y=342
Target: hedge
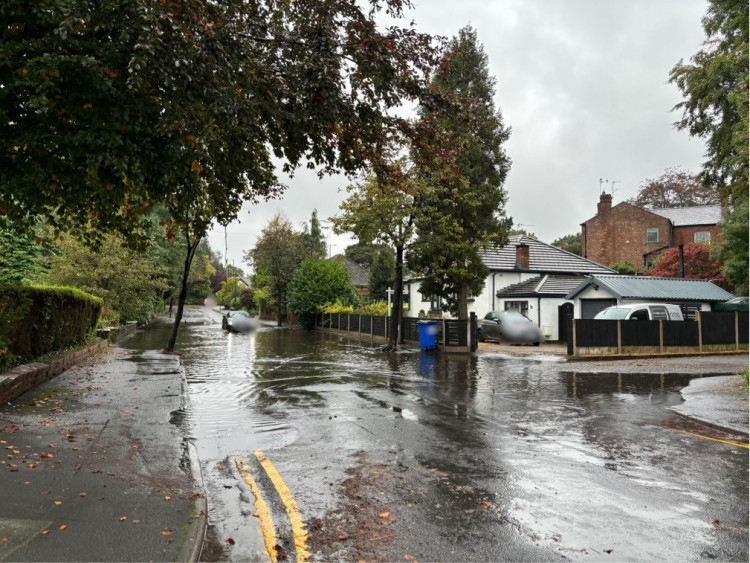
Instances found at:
x=37 y=320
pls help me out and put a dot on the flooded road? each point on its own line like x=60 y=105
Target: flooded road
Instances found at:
x=412 y=456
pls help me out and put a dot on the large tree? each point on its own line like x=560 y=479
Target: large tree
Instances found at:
x=312 y=239
x=675 y=188
x=571 y=243
x=316 y=283
x=382 y=210
x=107 y=108
x=277 y=253
x=715 y=107
x=464 y=166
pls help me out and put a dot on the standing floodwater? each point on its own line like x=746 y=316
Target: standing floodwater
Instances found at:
x=468 y=457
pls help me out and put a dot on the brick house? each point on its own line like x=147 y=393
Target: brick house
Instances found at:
x=628 y=233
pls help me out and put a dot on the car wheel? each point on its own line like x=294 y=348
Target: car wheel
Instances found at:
x=480 y=336
x=537 y=343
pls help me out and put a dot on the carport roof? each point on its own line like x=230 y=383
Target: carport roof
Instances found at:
x=652 y=288
x=542 y=286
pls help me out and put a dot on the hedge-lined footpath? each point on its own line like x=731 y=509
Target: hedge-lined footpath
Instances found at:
x=38 y=320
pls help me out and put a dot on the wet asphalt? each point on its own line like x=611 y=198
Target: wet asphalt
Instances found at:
x=414 y=456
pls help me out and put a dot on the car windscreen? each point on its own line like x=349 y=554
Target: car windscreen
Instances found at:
x=515 y=317
x=612 y=314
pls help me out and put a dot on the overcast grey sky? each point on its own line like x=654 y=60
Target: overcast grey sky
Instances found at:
x=582 y=84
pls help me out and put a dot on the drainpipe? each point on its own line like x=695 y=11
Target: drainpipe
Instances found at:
x=539 y=310
x=682 y=260
x=492 y=305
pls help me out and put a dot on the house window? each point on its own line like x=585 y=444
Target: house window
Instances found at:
x=520 y=306
x=702 y=236
x=652 y=235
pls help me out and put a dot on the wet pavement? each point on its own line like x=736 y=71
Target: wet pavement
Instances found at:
x=414 y=456
x=91 y=469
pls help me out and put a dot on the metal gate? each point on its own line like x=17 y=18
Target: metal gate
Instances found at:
x=564 y=321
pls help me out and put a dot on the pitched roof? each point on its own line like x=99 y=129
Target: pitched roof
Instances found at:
x=652 y=288
x=698 y=215
x=543 y=258
x=359 y=275
x=543 y=286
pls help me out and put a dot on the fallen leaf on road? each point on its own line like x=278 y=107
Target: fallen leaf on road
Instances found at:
x=45 y=532
x=81 y=495
x=410 y=558
x=58 y=502
x=608 y=550
x=123 y=518
x=167 y=497
x=5 y=539
x=715 y=522
x=385 y=514
x=31 y=465
x=63 y=526
x=230 y=541
x=45 y=492
x=136 y=521
x=167 y=533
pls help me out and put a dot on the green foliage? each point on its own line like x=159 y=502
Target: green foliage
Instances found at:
x=746 y=376
x=199 y=280
x=715 y=107
x=382 y=274
x=375 y=308
x=734 y=247
x=37 y=320
x=337 y=307
x=230 y=294
x=626 y=268
x=364 y=253
x=262 y=299
x=571 y=243
x=316 y=283
x=277 y=254
x=464 y=167
x=247 y=299
x=128 y=282
x=313 y=245
x=20 y=254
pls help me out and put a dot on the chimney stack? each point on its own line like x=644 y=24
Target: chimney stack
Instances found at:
x=605 y=204
x=522 y=256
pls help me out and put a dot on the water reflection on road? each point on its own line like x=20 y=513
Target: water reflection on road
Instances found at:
x=576 y=463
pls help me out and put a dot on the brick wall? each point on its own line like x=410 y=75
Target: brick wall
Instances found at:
x=686 y=235
x=618 y=234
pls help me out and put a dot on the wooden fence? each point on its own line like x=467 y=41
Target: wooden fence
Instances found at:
x=710 y=332
x=453 y=335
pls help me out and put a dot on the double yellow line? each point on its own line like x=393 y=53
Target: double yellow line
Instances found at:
x=264 y=514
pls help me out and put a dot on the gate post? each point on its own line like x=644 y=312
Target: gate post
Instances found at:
x=736 y=330
x=619 y=336
x=698 y=317
x=575 y=338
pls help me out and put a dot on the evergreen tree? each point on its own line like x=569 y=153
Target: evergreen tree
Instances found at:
x=312 y=240
x=463 y=166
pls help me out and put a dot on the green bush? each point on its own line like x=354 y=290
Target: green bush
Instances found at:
x=37 y=320
x=315 y=283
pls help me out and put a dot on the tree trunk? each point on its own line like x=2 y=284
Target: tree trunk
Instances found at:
x=462 y=303
x=398 y=300
x=183 y=294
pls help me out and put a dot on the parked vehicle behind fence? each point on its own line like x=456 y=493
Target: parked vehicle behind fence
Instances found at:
x=642 y=312
x=510 y=326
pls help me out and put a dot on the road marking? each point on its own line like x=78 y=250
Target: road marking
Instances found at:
x=730 y=442
x=264 y=514
x=298 y=526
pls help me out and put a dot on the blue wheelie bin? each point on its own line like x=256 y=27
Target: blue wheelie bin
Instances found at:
x=428 y=335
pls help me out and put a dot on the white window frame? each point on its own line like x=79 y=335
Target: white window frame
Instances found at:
x=702 y=236
x=652 y=231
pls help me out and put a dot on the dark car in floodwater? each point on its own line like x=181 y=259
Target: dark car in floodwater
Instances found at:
x=510 y=326
x=239 y=321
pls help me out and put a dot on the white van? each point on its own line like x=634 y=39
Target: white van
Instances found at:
x=642 y=312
